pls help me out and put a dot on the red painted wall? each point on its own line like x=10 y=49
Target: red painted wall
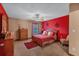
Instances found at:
x=2 y=10
x=62 y=24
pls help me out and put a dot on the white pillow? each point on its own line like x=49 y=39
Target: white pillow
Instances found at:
x=49 y=33
x=44 y=33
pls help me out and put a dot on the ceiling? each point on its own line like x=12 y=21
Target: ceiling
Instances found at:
x=46 y=11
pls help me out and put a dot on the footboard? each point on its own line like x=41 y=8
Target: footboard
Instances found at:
x=42 y=41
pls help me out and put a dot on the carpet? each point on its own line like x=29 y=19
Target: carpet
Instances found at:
x=30 y=45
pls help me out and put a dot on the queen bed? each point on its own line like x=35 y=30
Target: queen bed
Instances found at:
x=45 y=38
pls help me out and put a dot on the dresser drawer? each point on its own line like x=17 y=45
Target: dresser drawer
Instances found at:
x=2 y=53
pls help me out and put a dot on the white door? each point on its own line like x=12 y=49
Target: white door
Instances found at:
x=74 y=32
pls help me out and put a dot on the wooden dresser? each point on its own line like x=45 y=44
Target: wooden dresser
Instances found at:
x=6 y=47
x=22 y=34
x=0 y=23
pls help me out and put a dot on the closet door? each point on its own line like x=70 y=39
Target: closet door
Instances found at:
x=74 y=33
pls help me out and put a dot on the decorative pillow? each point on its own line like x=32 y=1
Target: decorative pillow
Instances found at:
x=50 y=33
x=44 y=33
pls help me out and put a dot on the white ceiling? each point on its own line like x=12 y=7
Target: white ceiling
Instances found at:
x=28 y=10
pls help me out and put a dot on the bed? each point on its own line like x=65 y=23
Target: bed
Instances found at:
x=43 y=39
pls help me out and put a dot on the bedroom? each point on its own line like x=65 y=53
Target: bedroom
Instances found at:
x=39 y=29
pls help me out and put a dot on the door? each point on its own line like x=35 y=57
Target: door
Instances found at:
x=74 y=33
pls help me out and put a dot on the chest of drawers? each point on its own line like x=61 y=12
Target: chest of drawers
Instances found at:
x=6 y=47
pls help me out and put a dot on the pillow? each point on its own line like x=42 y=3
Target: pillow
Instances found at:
x=44 y=33
x=50 y=33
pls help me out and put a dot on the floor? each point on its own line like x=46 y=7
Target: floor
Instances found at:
x=53 y=49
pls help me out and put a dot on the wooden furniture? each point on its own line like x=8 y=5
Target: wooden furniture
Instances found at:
x=0 y=22
x=42 y=41
x=22 y=34
x=6 y=47
x=2 y=48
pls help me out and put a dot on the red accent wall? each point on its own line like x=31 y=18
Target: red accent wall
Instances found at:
x=2 y=10
x=61 y=24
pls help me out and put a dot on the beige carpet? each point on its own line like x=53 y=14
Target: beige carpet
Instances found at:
x=53 y=49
